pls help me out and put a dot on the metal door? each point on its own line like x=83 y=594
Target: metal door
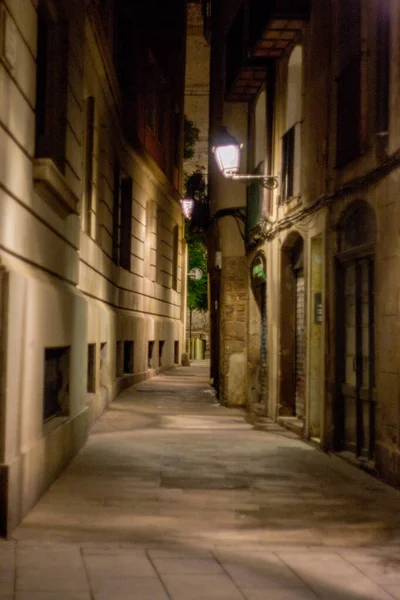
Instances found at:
x=300 y=343
x=358 y=388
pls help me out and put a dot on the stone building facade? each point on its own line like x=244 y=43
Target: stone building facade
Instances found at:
x=197 y=84
x=91 y=240
x=197 y=94
x=304 y=301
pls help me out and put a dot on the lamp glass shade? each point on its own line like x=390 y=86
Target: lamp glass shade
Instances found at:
x=187 y=205
x=227 y=158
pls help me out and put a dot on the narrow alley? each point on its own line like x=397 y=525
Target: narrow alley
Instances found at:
x=175 y=497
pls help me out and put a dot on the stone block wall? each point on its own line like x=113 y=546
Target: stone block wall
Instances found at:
x=63 y=287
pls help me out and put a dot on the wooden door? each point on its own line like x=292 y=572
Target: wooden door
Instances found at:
x=358 y=386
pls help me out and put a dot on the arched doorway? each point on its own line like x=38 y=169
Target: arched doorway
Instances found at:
x=292 y=328
x=355 y=332
x=257 y=342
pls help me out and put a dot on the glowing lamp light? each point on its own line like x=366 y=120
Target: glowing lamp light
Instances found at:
x=227 y=153
x=187 y=205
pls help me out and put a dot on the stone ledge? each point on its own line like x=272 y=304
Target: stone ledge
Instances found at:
x=52 y=186
x=292 y=204
x=293 y=424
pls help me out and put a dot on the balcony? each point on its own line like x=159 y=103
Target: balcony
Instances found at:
x=244 y=76
x=274 y=25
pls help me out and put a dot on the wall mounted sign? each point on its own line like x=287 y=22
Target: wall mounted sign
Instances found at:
x=195 y=273
x=258 y=270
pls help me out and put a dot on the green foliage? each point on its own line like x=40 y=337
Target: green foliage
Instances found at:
x=196 y=188
x=190 y=137
x=197 y=297
x=195 y=185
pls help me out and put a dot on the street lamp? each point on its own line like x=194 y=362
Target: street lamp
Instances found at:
x=187 y=205
x=226 y=151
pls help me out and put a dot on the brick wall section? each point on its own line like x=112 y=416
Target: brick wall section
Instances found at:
x=234 y=292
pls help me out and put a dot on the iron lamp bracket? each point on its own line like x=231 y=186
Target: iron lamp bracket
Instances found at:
x=270 y=182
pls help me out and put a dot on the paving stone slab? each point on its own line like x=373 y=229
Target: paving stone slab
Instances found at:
x=100 y=567
x=51 y=596
x=263 y=577
x=394 y=590
x=382 y=573
x=187 y=566
x=201 y=587
x=178 y=552
x=135 y=588
x=279 y=594
x=51 y=579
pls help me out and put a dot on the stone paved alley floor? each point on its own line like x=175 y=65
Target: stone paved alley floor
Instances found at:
x=175 y=497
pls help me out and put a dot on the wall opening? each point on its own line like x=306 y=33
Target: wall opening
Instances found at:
x=176 y=352
x=356 y=402
x=292 y=329
x=150 y=354
x=56 y=382
x=128 y=356
x=91 y=371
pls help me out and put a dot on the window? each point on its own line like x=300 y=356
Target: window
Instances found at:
x=349 y=134
x=162 y=113
x=175 y=256
x=126 y=224
x=156 y=102
x=177 y=139
x=150 y=354
x=91 y=374
x=116 y=213
x=288 y=145
x=160 y=351
x=348 y=139
x=159 y=242
x=103 y=364
x=88 y=217
x=291 y=150
x=56 y=383
x=176 y=352
x=149 y=249
x=151 y=98
x=383 y=67
x=128 y=357
x=51 y=87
